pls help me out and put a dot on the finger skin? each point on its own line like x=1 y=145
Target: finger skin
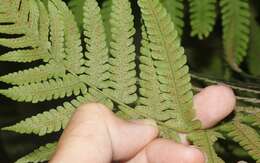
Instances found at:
x=213 y=104
x=96 y=135
x=166 y=151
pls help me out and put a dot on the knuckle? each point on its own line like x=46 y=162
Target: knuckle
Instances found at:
x=97 y=110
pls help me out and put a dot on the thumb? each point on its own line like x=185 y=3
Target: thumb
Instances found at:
x=213 y=104
x=95 y=134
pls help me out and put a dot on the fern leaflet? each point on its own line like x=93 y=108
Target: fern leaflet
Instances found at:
x=105 y=12
x=236 y=28
x=97 y=51
x=176 y=9
x=169 y=60
x=122 y=50
x=202 y=17
x=48 y=90
x=55 y=119
x=31 y=53
x=41 y=154
x=76 y=7
x=34 y=75
x=205 y=141
x=246 y=136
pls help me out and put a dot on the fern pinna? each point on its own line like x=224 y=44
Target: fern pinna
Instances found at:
x=103 y=69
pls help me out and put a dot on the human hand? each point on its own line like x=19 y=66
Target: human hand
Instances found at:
x=96 y=135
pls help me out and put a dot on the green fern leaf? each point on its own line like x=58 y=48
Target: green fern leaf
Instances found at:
x=236 y=29
x=41 y=154
x=47 y=90
x=73 y=51
x=15 y=12
x=22 y=56
x=203 y=14
x=38 y=52
x=105 y=12
x=150 y=102
x=56 y=33
x=76 y=6
x=251 y=119
x=169 y=60
x=249 y=115
x=34 y=75
x=55 y=119
x=176 y=9
x=96 y=45
x=205 y=141
x=246 y=136
x=25 y=24
x=122 y=61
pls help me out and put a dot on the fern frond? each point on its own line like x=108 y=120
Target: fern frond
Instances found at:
x=55 y=119
x=246 y=136
x=47 y=90
x=16 y=12
x=249 y=115
x=176 y=9
x=105 y=12
x=236 y=29
x=34 y=75
x=150 y=101
x=36 y=53
x=25 y=25
x=96 y=45
x=169 y=61
x=65 y=54
x=22 y=56
x=122 y=50
x=76 y=6
x=203 y=15
x=57 y=51
x=73 y=50
x=41 y=154
x=251 y=119
x=205 y=141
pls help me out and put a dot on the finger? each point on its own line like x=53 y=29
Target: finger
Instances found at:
x=94 y=134
x=165 y=151
x=213 y=104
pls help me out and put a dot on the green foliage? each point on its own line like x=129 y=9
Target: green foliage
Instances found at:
x=55 y=119
x=102 y=65
x=76 y=7
x=254 y=48
x=236 y=29
x=203 y=14
x=97 y=52
x=176 y=9
x=42 y=154
x=48 y=90
x=205 y=140
x=169 y=61
x=246 y=136
x=122 y=50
